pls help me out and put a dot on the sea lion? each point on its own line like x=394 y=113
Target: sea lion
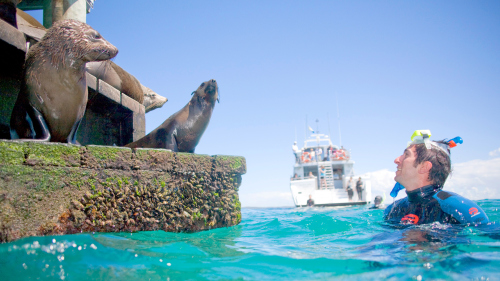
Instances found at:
x=182 y=131
x=152 y=100
x=53 y=95
x=115 y=76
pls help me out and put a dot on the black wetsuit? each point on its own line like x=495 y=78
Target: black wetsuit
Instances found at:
x=310 y=203
x=430 y=204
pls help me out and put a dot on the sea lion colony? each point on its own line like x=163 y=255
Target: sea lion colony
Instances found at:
x=109 y=72
x=53 y=95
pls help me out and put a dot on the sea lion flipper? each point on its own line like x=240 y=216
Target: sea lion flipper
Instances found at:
x=72 y=135
x=38 y=123
x=171 y=142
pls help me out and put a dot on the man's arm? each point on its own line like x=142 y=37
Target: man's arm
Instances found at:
x=461 y=208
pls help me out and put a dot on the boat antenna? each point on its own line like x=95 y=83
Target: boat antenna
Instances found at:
x=338 y=117
x=305 y=132
x=295 y=133
x=328 y=117
x=317 y=124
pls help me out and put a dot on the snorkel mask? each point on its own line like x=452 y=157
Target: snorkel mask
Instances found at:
x=422 y=136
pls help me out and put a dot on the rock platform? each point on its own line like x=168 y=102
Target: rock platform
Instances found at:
x=55 y=189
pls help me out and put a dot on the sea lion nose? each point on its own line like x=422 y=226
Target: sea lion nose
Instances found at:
x=213 y=81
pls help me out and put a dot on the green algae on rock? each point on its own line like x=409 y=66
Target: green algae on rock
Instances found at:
x=49 y=189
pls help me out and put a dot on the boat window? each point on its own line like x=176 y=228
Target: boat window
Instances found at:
x=337 y=174
x=308 y=171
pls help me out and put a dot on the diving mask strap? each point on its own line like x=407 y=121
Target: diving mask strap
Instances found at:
x=441 y=146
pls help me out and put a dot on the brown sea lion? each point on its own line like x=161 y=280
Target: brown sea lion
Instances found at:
x=53 y=95
x=182 y=131
x=152 y=100
x=115 y=76
x=126 y=83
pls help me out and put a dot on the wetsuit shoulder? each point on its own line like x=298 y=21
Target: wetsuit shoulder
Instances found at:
x=461 y=208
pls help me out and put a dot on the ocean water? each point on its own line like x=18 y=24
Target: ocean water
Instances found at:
x=348 y=243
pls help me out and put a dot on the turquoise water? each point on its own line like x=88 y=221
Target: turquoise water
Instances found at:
x=349 y=243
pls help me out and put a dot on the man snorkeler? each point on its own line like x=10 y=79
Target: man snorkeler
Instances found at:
x=422 y=170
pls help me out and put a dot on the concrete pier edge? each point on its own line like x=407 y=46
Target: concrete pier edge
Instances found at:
x=55 y=189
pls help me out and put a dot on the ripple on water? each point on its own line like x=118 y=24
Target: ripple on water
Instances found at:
x=283 y=243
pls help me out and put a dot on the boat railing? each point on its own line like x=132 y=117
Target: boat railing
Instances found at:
x=304 y=157
x=298 y=178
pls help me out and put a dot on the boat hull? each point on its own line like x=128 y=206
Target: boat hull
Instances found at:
x=302 y=189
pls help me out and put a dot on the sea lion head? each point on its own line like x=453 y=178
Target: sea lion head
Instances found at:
x=152 y=100
x=73 y=43
x=208 y=91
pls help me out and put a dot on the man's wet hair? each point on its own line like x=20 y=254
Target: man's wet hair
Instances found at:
x=441 y=164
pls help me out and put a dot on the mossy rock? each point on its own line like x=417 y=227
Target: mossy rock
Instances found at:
x=52 y=188
x=230 y=164
x=188 y=162
x=154 y=159
x=13 y=152
x=107 y=157
x=53 y=154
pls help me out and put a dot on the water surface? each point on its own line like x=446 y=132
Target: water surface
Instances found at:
x=349 y=243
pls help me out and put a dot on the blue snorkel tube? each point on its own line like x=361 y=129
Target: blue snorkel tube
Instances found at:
x=396 y=189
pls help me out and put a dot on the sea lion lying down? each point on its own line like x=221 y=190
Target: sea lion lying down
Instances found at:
x=182 y=131
x=126 y=83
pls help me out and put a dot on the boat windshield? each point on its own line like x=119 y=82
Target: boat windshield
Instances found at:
x=318 y=140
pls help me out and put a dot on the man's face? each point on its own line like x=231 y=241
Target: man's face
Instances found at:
x=406 y=171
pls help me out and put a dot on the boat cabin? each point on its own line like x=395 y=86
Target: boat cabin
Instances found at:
x=319 y=156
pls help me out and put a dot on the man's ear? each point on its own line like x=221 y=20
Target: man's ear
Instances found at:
x=425 y=167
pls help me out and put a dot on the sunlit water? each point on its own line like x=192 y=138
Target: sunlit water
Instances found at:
x=286 y=243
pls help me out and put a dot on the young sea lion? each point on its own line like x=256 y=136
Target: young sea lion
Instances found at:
x=182 y=131
x=53 y=95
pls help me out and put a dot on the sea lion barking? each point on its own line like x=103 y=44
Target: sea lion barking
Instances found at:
x=53 y=95
x=182 y=131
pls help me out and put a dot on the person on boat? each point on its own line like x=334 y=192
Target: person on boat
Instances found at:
x=359 y=189
x=310 y=202
x=319 y=153
x=349 y=189
x=311 y=175
x=312 y=155
x=322 y=177
x=422 y=171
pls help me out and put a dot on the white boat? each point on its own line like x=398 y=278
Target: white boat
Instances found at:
x=329 y=189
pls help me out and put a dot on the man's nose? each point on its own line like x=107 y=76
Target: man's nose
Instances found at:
x=396 y=161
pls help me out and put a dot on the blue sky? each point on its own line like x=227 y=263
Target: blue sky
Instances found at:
x=395 y=66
